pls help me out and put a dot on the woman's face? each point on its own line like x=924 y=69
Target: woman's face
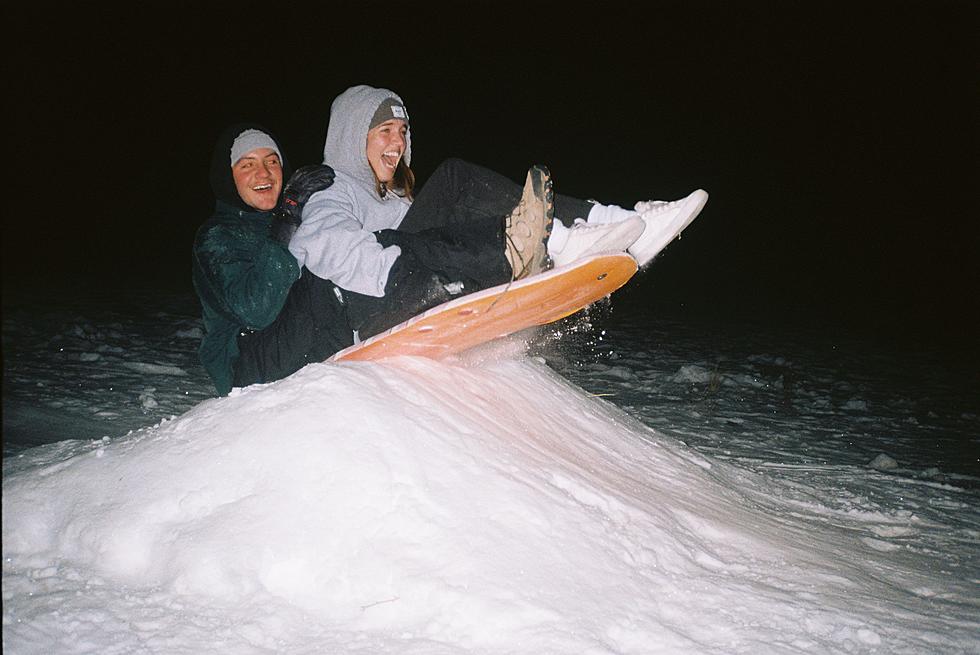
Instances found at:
x=385 y=147
x=258 y=178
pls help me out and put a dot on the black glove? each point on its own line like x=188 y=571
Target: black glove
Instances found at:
x=304 y=183
x=288 y=213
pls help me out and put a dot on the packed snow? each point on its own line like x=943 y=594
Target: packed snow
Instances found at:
x=609 y=486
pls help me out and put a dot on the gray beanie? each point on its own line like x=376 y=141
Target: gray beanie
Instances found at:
x=248 y=141
x=389 y=108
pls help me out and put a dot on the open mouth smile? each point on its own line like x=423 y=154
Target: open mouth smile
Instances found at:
x=390 y=158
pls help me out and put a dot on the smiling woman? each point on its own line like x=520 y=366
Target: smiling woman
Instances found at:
x=395 y=255
x=385 y=145
x=387 y=142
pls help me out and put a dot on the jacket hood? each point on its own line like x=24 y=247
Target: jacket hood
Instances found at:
x=350 y=116
x=222 y=181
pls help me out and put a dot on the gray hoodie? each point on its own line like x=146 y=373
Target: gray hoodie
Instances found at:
x=336 y=240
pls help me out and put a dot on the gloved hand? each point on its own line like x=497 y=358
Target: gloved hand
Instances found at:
x=304 y=183
x=288 y=213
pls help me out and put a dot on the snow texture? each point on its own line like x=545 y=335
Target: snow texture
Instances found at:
x=496 y=503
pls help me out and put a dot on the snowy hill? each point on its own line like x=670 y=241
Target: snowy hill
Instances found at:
x=471 y=507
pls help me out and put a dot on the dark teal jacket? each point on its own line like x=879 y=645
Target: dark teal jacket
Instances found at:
x=242 y=278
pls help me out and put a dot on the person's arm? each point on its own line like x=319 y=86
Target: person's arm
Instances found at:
x=247 y=272
x=288 y=214
x=247 y=275
x=334 y=245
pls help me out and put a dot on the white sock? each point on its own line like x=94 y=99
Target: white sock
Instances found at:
x=558 y=238
x=608 y=214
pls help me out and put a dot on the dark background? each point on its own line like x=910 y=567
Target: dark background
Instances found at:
x=838 y=140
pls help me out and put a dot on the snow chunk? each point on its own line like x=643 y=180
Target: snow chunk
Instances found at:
x=154 y=369
x=191 y=333
x=692 y=373
x=883 y=463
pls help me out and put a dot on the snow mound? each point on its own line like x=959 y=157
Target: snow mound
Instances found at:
x=415 y=507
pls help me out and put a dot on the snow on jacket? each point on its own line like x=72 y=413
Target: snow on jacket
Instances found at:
x=242 y=276
x=336 y=240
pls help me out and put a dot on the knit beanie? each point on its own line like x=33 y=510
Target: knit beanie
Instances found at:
x=389 y=108
x=222 y=180
x=248 y=141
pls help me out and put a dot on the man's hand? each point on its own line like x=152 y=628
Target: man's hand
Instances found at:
x=304 y=183
x=288 y=214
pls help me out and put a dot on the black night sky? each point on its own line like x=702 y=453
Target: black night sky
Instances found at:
x=838 y=140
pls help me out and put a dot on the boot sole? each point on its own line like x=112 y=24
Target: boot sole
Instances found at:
x=537 y=261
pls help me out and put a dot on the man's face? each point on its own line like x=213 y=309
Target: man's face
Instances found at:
x=385 y=147
x=258 y=178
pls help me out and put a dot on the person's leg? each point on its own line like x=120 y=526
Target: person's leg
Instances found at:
x=311 y=327
x=451 y=238
x=436 y=265
x=461 y=190
x=642 y=232
x=411 y=290
x=458 y=191
x=470 y=253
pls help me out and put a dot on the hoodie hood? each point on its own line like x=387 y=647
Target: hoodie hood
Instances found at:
x=350 y=118
x=222 y=181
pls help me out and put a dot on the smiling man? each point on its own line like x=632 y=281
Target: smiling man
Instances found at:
x=258 y=171
x=265 y=316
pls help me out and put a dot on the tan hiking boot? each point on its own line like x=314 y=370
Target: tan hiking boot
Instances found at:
x=529 y=225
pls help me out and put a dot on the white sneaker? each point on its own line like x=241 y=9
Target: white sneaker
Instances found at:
x=664 y=221
x=585 y=239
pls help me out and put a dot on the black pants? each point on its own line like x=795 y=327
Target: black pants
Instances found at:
x=452 y=233
x=459 y=192
x=311 y=327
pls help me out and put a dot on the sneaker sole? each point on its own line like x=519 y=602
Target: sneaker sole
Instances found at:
x=686 y=214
